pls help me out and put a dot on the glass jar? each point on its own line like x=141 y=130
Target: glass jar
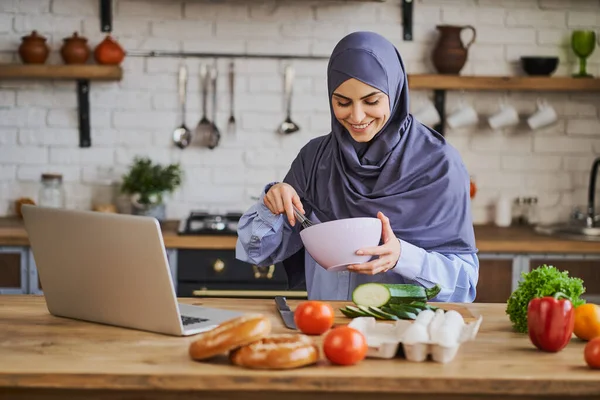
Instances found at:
x=533 y=216
x=52 y=193
x=517 y=211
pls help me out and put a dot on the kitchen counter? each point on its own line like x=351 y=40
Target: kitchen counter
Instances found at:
x=12 y=233
x=47 y=357
x=490 y=239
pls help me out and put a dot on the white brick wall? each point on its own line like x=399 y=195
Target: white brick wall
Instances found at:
x=38 y=120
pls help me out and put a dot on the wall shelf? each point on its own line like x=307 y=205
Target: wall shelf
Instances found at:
x=441 y=83
x=89 y=72
x=520 y=83
x=83 y=74
x=438 y=83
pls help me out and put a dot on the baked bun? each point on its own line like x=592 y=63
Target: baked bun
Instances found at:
x=279 y=351
x=230 y=334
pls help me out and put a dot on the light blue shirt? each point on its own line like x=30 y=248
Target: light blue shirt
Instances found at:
x=265 y=238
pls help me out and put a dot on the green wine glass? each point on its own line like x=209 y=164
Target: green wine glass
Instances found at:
x=583 y=43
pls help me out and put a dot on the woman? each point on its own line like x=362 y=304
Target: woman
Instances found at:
x=377 y=161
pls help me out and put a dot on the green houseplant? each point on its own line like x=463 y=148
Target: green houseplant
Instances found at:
x=147 y=183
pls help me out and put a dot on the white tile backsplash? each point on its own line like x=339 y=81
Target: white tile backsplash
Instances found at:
x=39 y=124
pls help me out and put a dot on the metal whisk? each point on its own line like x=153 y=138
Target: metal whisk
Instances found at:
x=306 y=223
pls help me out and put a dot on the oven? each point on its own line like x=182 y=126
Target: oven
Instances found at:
x=217 y=273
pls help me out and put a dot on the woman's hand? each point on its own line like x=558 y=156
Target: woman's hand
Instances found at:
x=279 y=200
x=388 y=252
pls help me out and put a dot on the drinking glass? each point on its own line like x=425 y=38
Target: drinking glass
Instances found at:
x=583 y=43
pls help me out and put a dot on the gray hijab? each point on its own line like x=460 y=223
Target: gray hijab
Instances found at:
x=408 y=171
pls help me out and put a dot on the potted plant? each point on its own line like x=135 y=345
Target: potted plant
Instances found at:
x=146 y=183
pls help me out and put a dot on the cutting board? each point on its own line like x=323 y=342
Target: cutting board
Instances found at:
x=341 y=319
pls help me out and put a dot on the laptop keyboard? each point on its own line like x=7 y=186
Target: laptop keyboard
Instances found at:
x=191 y=320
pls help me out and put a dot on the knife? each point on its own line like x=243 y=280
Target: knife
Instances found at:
x=286 y=314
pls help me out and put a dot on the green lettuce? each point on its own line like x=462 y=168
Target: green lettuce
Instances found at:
x=544 y=280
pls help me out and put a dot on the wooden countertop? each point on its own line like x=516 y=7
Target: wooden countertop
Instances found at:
x=47 y=357
x=490 y=239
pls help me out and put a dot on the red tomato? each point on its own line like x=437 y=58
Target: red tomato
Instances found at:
x=313 y=317
x=345 y=346
x=591 y=353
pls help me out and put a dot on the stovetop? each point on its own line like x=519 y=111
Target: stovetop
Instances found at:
x=205 y=223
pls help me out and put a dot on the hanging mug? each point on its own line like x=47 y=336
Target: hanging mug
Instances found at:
x=543 y=116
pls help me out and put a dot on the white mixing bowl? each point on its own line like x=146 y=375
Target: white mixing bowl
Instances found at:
x=333 y=244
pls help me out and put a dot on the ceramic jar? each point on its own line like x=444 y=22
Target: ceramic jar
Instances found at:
x=450 y=55
x=109 y=52
x=34 y=49
x=75 y=50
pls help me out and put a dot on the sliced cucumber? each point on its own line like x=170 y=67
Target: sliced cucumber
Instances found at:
x=370 y=313
x=371 y=294
x=357 y=311
x=382 y=314
x=417 y=292
x=423 y=305
x=349 y=314
x=362 y=311
x=379 y=294
x=406 y=308
x=399 y=313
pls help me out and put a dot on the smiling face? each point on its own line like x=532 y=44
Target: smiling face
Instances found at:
x=360 y=108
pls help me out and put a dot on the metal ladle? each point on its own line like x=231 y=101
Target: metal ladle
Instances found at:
x=203 y=129
x=288 y=126
x=182 y=135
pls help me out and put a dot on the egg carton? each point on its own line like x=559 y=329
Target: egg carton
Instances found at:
x=385 y=340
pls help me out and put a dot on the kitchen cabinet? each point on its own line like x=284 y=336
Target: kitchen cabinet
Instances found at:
x=495 y=280
x=205 y=266
x=500 y=273
x=206 y=270
x=34 y=286
x=13 y=270
x=586 y=269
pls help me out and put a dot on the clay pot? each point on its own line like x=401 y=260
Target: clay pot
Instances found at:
x=109 y=52
x=75 y=50
x=33 y=49
x=449 y=55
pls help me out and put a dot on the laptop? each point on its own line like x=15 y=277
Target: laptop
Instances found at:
x=111 y=269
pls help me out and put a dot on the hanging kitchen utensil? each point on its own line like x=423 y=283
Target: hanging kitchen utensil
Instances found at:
x=182 y=135
x=231 y=128
x=203 y=128
x=215 y=135
x=288 y=126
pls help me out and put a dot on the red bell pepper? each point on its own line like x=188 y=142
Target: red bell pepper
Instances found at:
x=550 y=322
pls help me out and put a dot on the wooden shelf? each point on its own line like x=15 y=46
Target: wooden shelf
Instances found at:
x=72 y=72
x=521 y=83
x=83 y=74
x=419 y=81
